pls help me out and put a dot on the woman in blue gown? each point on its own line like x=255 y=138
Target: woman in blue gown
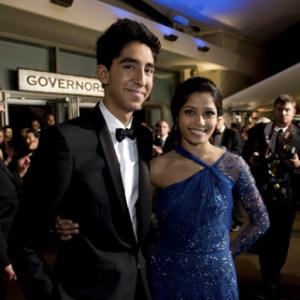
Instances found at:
x=193 y=255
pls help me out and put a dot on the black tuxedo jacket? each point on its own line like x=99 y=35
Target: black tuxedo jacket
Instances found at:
x=75 y=173
x=232 y=140
x=9 y=198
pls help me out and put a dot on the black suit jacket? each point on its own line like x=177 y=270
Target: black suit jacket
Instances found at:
x=230 y=139
x=9 y=198
x=76 y=173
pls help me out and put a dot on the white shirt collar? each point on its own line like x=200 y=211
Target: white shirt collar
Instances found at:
x=111 y=121
x=280 y=128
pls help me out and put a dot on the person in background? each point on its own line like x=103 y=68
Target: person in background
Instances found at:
x=272 y=151
x=8 y=133
x=35 y=125
x=244 y=132
x=94 y=170
x=162 y=129
x=8 y=152
x=228 y=138
x=8 y=207
x=231 y=140
x=32 y=139
x=49 y=120
x=9 y=201
x=21 y=159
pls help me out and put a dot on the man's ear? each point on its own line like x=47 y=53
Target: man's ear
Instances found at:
x=103 y=74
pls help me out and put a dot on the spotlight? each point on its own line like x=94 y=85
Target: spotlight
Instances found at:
x=171 y=37
x=203 y=48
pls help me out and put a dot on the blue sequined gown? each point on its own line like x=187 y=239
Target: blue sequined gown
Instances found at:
x=192 y=257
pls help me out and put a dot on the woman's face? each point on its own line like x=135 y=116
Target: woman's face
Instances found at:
x=197 y=119
x=32 y=141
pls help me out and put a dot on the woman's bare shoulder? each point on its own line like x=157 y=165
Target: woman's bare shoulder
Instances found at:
x=160 y=161
x=160 y=165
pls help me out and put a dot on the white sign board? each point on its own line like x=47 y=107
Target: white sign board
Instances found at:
x=37 y=81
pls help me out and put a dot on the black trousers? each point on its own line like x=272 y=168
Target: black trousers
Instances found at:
x=140 y=292
x=273 y=246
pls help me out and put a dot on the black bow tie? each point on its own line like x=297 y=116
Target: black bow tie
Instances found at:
x=121 y=134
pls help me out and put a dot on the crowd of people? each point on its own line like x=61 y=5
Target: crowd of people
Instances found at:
x=93 y=180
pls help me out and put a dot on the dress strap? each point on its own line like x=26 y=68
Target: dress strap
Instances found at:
x=190 y=156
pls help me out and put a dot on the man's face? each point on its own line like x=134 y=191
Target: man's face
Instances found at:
x=8 y=133
x=220 y=123
x=163 y=128
x=32 y=141
x=35 y=124
x=283 y=114
x=50 y=120
x=129 y=81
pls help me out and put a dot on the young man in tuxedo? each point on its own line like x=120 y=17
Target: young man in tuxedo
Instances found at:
x=94 y=170
x=272 y=151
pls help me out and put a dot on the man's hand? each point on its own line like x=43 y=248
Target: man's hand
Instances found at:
x=294 y=162
x=10 y=273
x=66 y=228
x=157 y=150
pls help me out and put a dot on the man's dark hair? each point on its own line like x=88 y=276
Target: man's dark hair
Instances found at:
x=121 y=33
x=283 y=99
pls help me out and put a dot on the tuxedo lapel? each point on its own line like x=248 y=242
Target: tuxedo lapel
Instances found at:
x=110 y=157
x=144 y=203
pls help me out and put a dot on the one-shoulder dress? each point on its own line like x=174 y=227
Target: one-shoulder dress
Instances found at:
x=193 y=256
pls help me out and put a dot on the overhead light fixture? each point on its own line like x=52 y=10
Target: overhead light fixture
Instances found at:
x=65 y=3
x=171 y=37
x=203 y=48
x=181 y=20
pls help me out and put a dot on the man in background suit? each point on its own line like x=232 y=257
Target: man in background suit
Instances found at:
x=161 y=137
x=94 y=170
x=272 y=151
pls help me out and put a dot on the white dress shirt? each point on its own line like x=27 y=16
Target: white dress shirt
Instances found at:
x=127 y=155
x=272 y=140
